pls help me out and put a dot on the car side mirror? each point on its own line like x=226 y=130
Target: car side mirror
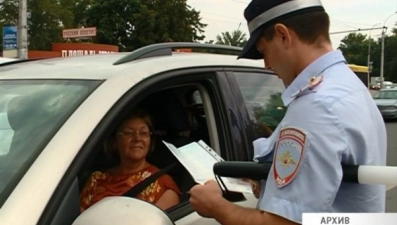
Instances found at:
x=121 y=211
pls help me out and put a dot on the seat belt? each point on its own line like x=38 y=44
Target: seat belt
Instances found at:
x=135 y=190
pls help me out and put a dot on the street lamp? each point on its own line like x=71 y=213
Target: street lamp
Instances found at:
x=369 y=55
x=383 y=50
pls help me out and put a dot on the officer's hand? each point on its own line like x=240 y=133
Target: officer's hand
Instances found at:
x=204 y=197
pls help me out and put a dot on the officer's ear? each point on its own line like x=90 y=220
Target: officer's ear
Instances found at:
x=283 y=34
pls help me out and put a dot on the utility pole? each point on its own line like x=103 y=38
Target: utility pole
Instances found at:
x=382 y=57
x=22 y=30
x=369 y=63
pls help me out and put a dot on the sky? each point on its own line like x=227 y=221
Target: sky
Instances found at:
x=346 y=15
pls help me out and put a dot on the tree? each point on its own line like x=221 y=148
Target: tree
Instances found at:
x=234 y=38
x=116 y=21
x=135 y=23
x=129 y=24
x=355 y=49
x=79 y=9
x=390 y=69
x=46 y=19
x=179 y=21
x=8 y=15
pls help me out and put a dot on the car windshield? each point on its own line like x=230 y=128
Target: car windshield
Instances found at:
x=31 y=112
x=390 y=94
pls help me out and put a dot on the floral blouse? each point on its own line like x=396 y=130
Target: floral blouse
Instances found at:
x=101 y=185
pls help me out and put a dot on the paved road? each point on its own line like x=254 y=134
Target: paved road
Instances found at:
x=391 y=197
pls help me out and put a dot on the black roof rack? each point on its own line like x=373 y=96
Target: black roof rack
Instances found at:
x=164 y=49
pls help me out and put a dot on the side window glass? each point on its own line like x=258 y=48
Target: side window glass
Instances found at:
x=197 y=97
x=262 y=96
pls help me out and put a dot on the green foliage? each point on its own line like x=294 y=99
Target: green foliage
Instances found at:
x=116 y=21
x=80 y=8
x=129 y=24
x=355 y=48
x=135 y=23
x=46 y=19
x=179 y=22
x=234 y=38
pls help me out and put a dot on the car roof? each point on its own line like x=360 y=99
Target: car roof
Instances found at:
x=102 y=66
x=5 y=60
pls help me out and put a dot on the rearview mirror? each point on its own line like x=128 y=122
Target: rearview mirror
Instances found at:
x=121 y=211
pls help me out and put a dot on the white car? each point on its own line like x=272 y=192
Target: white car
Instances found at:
x=64 y=108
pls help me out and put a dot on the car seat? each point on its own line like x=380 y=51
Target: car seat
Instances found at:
x=169 y=115
x=31 y=124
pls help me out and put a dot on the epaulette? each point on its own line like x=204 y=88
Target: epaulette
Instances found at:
x=309 y=88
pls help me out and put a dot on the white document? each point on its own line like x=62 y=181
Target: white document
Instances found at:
x=199 y=159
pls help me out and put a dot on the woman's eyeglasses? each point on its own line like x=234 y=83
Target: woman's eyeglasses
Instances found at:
x=131 y=133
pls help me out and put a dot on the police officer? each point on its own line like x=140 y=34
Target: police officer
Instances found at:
x=331 y=120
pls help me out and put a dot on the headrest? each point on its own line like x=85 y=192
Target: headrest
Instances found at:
x=25 y=110
x=15 y=112
x=167 y=111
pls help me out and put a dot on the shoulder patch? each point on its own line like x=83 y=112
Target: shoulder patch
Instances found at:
x=288 y=155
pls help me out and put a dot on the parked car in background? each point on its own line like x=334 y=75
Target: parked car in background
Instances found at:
x=386 y=100
x=374 y=86
x=388 y=84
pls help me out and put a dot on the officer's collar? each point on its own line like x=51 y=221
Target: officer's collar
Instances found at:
x=314 y=69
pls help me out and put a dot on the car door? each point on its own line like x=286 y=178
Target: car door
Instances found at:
x=252 y=101
x=63 y=205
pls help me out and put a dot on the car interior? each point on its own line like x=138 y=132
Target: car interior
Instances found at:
x=179 y=118
x=23 y=111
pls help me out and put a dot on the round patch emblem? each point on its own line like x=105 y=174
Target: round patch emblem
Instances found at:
x=288 y=155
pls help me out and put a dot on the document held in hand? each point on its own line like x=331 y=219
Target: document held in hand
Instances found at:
x=199 y=159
